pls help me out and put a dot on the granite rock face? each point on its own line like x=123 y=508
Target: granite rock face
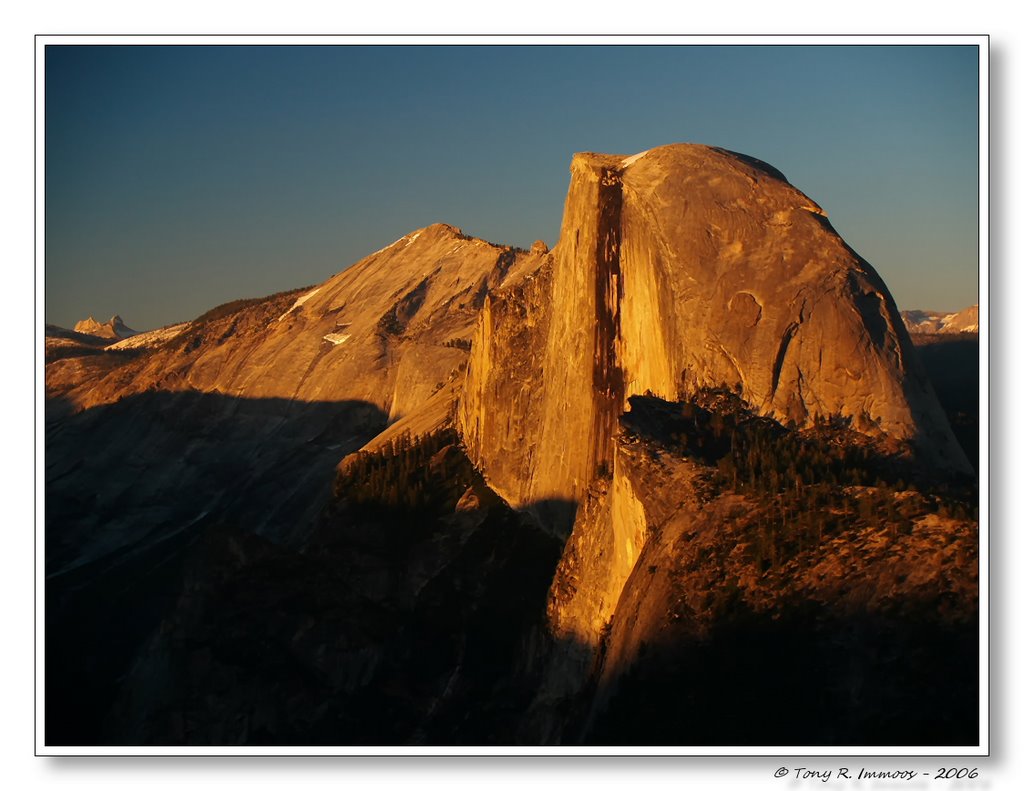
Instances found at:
x=680 y=268
x=387 y=330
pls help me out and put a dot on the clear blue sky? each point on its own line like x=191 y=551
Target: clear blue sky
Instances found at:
x=181 y=177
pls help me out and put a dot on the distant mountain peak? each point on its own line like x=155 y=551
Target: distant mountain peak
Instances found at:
x=934 y=322
x=115 y=329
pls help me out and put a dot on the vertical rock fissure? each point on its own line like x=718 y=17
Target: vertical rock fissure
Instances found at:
x=780 y=356
x=607 y=374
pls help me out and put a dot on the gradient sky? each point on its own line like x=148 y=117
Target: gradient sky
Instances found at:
x=178 y=178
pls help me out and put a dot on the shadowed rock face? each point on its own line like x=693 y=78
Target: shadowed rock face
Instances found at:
x=236 y=421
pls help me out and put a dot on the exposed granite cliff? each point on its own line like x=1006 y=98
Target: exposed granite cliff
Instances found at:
x=681 y=268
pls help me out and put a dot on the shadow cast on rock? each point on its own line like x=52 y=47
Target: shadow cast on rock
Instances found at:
x=130 y=488
x=803 y=675
x=431 y=633
x=189 y=604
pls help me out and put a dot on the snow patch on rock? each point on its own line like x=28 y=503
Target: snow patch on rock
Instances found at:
x=630 y=160
x=299 y=302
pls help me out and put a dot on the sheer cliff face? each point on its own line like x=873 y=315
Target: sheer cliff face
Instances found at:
x=752 y=287
x=681 y=267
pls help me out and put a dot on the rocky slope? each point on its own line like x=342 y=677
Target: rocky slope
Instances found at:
x=60 y=343
x=150 y=339
x=569 y=442
x=387 y=330
x=377 y=340
x=748 y=589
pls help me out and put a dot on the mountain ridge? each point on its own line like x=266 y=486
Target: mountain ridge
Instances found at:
x=931 y=322
x=115 y=328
